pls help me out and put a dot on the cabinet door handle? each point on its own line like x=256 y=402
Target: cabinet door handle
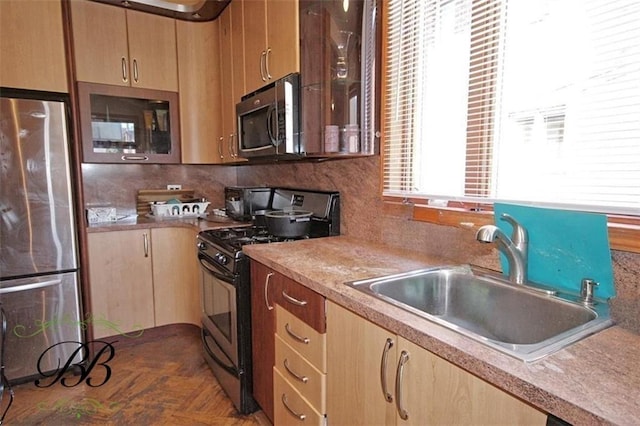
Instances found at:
x=266 y=63
x=293 y=413
x=267 y=281
x=230 y=146
x=234 y=146
x=303 y=379
x=220 y=143
x=125 y=73
x=404 y=358
x=145 y=244
x=300 y=339
x=293 y=300
x=263 y=65
x=135 y=70
x=383 y=370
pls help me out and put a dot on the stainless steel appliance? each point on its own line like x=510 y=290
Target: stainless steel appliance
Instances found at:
x=39 y=283
x=226 y=287
x=269 y=120
x=242 y=201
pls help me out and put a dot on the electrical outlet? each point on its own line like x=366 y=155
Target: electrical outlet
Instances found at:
x=174 y=187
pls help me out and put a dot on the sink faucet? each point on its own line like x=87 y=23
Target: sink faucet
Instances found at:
x=514 y=248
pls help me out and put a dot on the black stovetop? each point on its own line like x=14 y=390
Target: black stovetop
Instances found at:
x=233 y=239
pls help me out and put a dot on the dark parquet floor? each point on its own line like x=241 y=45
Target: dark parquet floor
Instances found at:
x=159 y=381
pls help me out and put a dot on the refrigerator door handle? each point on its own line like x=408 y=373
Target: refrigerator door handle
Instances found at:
x=30 y=286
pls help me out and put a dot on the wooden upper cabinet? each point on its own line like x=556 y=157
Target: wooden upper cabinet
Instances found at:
x=32 y=45
x=283 y=38
x=231 y=78
x=199 y=90
x=272 y=35
x=226 y=136
x=152 y=51
x=237 y=53
x=116 y=46
x=255 y=42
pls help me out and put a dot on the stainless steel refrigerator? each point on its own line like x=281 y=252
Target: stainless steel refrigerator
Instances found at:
x=39 y=280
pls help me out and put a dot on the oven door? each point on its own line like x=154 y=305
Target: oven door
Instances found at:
x=219 y=308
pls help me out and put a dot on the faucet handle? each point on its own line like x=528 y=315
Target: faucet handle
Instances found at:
x=519 y=234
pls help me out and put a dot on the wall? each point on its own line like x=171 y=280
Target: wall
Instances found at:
x=363 y=216
x=363 y=213
x=118 y=184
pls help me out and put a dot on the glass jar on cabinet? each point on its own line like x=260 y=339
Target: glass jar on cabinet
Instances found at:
x=125 y=124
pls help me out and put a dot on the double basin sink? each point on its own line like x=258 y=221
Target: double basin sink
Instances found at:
x=524 y=322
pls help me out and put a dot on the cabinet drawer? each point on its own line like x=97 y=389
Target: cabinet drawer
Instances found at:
x=301 y=337
x=301 y=374
x=304 y=303
x=290 y=407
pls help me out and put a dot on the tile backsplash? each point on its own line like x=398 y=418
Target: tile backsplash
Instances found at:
x=363 y=212
x=118 y=184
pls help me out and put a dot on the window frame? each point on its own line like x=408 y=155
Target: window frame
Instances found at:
x=623 y=230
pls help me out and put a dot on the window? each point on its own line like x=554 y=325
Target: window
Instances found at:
x=520 y=101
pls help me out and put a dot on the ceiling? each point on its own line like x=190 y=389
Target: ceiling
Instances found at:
x=188 y=10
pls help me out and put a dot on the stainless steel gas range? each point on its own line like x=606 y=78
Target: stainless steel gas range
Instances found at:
x=226 y=286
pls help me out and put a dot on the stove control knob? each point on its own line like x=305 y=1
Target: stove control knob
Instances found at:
x=201 y=245
x=222 y=259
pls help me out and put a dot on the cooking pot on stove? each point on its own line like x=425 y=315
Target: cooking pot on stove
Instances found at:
x=259 y=218
x=288 y=223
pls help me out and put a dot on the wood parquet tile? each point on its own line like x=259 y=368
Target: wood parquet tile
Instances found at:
x=161 y=381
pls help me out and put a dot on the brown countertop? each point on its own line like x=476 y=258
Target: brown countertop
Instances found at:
x=596 y=380
x=138 y=222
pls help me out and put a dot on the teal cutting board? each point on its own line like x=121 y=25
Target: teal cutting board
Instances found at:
x=564 y=247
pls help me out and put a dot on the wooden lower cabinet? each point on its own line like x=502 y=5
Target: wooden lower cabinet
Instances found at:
x=142 y=278
x=291 y=407
x=121 y=282
x=302 y=313
x=264 y=284
x=362 y=389
x=176 y=276
x=300 y=370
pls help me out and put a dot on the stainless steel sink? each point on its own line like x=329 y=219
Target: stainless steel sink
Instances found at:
x=523 y=322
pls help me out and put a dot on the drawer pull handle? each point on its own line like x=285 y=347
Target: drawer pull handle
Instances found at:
x=303 y=379
x=300 y=339
x=293 y=299
x=404 y=358
x=293 y=413
x=383 y=370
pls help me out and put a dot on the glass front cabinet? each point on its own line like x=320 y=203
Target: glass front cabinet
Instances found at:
x=338 y=77
x=128 y=125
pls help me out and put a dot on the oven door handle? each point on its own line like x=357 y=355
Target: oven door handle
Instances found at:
x=214 y=270
x=228 y=368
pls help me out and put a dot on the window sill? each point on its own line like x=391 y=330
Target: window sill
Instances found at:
x=624 y=231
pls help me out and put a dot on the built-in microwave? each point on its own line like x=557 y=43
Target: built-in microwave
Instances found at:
x=269 y=120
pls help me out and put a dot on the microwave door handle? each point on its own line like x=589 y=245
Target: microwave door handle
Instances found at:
x=272 y=118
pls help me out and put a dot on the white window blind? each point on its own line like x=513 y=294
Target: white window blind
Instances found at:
x=523 y=101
